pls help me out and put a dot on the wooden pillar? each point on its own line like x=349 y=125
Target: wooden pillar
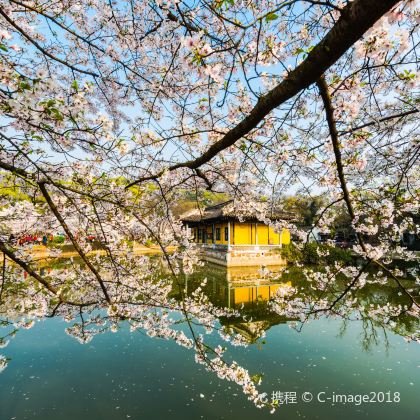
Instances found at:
x=256 y=233
x=251 y=237
x=228 y=236
x=233 y=233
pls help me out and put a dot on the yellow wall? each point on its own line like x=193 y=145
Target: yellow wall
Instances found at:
x=252 y=294
x=244 y=234
x=263 y=235
x=286 y=237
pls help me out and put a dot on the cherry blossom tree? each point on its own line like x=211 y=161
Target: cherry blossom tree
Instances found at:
x=110 y=110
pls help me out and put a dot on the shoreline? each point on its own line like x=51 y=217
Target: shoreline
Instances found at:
x=41 y=252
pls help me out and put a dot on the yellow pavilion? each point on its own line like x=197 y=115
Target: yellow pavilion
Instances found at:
x=229 y=240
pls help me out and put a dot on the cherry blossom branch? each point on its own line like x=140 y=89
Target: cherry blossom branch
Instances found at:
x=345 y=291
x=3 y=275
x=43 y=50
x=72 y=239
x=5 y=249
x=355 y=19
x=321 y=215
x=329 y=112
x=82 y=38
x=387 y=118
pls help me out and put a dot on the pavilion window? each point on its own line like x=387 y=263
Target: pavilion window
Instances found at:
x=217 y=234
x=226 y=234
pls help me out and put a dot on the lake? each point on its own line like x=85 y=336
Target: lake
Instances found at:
x=318 y=370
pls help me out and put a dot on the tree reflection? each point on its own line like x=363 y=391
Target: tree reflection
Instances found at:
x=237 y=306
x=277 y=295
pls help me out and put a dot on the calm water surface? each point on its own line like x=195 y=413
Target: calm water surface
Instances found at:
x=129 y=375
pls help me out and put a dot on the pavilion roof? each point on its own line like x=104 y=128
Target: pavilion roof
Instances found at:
x=228 y=211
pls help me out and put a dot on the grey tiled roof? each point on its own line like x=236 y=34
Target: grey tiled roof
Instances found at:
x=226 y=211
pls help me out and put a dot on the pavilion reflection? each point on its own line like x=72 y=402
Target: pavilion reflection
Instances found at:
x=247 y=289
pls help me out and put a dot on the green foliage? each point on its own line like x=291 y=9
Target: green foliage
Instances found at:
x=149 y=242
x=59 y=239
x=13 y=193
x=310 y=255
x=339 y=254
x=305 y=209
x=270 y=17
x=316 y=254
x=257 y=378
x=291 y=253
x=220 y=4
x=51 y=109
x=190 y=200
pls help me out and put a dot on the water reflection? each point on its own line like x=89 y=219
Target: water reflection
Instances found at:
x=253 y=291
x=235 y=306
x=237 y=286
x=246 y=289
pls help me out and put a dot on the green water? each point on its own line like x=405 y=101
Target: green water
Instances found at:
x=132 y=376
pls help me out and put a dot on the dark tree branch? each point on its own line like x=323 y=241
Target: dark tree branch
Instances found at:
x=7 y=251
x=370 y=123
x=77 y=247
x=329 y=112
x=27 y=268
x=356 y=18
